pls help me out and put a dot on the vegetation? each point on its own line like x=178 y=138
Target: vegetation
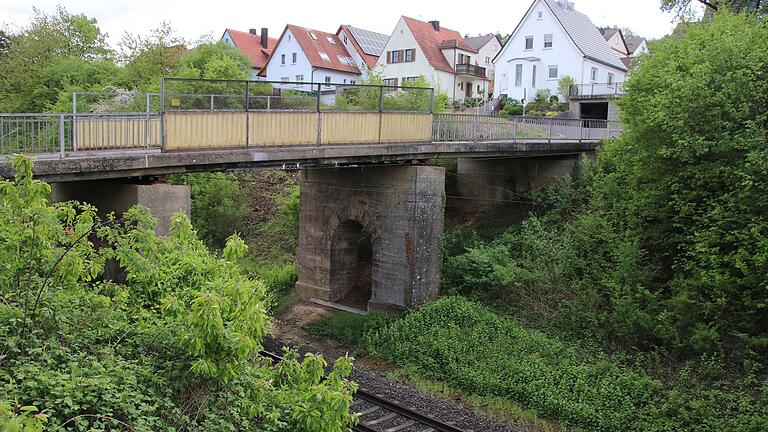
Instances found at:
x=175 y=345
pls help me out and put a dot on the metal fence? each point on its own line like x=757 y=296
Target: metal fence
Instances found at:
x=65 y=133
x=596 y=90
x=477 y=128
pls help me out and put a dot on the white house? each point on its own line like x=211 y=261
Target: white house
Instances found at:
x=364 y=46
x=487 y=46
x=439 y=54
x=306 y=57
x=616 y=40
x=637 y=45
x=554 y=40
x=256 y=46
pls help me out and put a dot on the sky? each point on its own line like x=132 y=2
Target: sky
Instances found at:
x=192 y=21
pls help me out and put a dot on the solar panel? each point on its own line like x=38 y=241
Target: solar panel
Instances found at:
x=372 y=43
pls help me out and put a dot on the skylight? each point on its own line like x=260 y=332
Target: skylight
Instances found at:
x=330 y=40
x=324 y=56
x=312 y=34
x=342 y=59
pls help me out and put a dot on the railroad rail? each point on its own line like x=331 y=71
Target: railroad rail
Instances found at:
x=379 y=414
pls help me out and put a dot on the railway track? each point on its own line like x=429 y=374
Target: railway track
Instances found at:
x=378 y=414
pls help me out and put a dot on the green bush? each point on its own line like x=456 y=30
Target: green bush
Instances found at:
x=513 y=110
x=473 y=349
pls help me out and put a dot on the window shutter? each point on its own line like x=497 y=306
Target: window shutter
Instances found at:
x=402 y=55
x=413 y=54
x=389 y=57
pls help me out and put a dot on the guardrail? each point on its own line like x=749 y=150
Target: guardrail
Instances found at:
x=470 y=69
x=69 y=132
x=596 y=90
x=480 y=128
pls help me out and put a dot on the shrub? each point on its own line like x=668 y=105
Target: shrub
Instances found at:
x=513 y=110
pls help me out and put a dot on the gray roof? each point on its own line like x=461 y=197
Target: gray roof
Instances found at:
x=478 y=42
x=607 y=32
x=372 y=43
x=585 y=35
x=634 y=42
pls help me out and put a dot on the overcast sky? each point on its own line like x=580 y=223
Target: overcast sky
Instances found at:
x=192 y=19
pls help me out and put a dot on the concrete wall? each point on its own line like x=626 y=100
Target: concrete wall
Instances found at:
x=115 y=196
x=401 y=207
x=495 y=180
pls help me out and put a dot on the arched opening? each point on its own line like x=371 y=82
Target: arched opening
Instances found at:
x=351 y=265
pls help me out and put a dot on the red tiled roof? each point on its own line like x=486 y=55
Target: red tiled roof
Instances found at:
x=430 y=42
x=250 y=45
x=313 y=47
x=370 y=60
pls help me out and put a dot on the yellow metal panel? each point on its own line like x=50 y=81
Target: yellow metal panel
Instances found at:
x=282 y=128
x=208 y=130
x=406 y=127
x=350 y=127
x=104 y=133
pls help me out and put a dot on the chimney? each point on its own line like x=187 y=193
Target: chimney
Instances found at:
x=435 y=25
x=253 y=32
x=571 y=6
x=264 y=38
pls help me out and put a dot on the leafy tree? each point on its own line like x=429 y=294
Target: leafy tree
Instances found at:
x=147 y=59
x=564 y=85
x=685 y=7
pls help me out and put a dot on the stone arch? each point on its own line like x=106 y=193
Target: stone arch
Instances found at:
x=351 y=267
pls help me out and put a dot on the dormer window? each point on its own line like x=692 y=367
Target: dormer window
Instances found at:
x=313 y=35
x=330 y=40
x=324 y=56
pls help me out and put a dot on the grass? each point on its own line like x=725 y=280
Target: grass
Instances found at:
x=348 y=328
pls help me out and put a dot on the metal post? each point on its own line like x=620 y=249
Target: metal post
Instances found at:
x=319 y=118
x=381 y=99
x=269 y=98
x=247 y=94
x=592 y=92
x=74 y=121
x=432 y=101
x=162 y=114
x=211 y=102
x=319 y=88
x=247 y=117
x=146 y=125
x=61 y=135
x=550 y=130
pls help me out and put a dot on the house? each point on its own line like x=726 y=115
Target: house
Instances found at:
x=256 y=46
x=637 y=45
x=616 y=41
x=305 y=57
x=364 y=46
x=554 y=40
x=439 y=54
x=487 y=47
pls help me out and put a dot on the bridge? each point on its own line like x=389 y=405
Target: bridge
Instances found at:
x=360 y=148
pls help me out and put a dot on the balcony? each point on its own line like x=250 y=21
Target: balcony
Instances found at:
x=596 y=90
x=470 y=69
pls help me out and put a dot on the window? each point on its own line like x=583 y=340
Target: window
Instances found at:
x=293 y=58
x=351 y=61
x=553 y=73
x=313 y=35
x=282 y=59
x=593 y=74
x=529 y=42
x=533 y=77
x=327 y=81
x=390 y=82
x=487 y=60
x=409 y=55
x=345 y=39
x=284 y=79
x=478 y=88
x=342 y=59
x=518 y=75
x=324 y=56
x=331 y=40
x=540 y=15
x=409 y=79
x=289 y=38
x=400 y=56
x=461 y=85
x=610 y=79
x=352 y=82
x=299 y=78
x=395 y=56
x=548 y=40
x=345 y=80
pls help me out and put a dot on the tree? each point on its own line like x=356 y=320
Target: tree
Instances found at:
x=685 y=8
x=5 y=43
x=147 y=59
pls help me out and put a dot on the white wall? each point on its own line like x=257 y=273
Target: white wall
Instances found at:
x=489 y=51
x=617 y=44
x=602 y=73
x=288 y=45
x=402 y=39
x=354 y=54
x=642 y=49
x=563 y=53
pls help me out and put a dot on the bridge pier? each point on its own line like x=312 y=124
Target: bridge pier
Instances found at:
x=497 y=180
x=397 y=210
x=163 y=200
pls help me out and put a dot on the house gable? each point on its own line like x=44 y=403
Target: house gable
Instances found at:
x=400 y=39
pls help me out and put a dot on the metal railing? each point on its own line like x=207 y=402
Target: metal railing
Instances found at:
x=596 y=90
x=480 y=128
x=470 y=69
x=70 y=132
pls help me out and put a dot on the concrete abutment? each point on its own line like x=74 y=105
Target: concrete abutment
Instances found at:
x=399 y=207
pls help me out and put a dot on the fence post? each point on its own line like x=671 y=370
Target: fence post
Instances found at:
x=162 y=114
x=74 y=121
x=247 y=94
x=432 y=101
x=247 y=117
x=381 y=99
x=61 y=135
x=269 y=98
x=319 y=89
x=211 y=102
x=146 y=125
x=550 y=131
x=319 y=117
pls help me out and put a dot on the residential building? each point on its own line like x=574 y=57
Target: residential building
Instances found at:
x=554 y=40
x=616 y=41
x=439 y=54
x=637 y=45
x=256 y=46
x=364 y=46
x=306 y=57
x=487 y=47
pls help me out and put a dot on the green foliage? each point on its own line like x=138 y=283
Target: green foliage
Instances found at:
x=175 y=345
x=411 y=99
x=564 y=85
x=471 y=348
x=218 y=205
x=278 y=238
x=513 y=110
x=349 y=328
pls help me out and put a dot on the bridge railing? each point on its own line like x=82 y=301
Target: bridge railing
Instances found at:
x=66 y=133
x=479 y=128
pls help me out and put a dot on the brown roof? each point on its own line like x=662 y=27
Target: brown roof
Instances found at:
x=370 y=60
x=250 y=45
x=313 y=47
x=430 y=42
